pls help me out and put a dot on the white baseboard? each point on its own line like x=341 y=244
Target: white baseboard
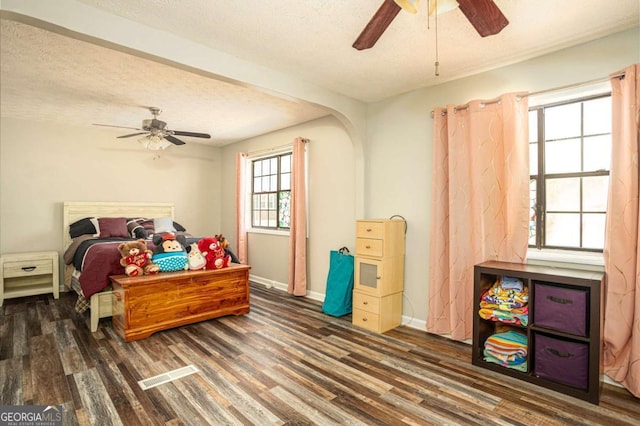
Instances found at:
x=283 y=287
x=267 y=282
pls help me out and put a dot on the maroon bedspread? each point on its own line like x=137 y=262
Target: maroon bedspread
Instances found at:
x=100 y=261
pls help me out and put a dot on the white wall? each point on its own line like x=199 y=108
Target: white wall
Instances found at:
x=42 y=165
x=398 y=148
x=332 y=204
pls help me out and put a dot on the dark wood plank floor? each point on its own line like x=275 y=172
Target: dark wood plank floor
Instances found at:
x=284 y=363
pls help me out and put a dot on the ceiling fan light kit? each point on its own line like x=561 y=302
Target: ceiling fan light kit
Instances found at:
x=154 y=142
x=158 y=137
x=410 y=6
x=442 y=6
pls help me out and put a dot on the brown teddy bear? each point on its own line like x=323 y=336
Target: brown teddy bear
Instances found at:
x=136 y=259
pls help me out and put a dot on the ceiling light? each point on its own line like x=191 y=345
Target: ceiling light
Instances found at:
x=410 y=6
x=442 y=6
x=154 y=142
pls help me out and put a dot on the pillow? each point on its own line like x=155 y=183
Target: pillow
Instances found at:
x=113 y=227
x=86 y=226
x=135 y=228
x=163 y=224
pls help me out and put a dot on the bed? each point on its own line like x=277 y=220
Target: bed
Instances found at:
x=91 y=259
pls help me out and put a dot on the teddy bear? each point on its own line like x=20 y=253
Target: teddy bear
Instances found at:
x=137 y=259
x=169 y=252
x=224 y=243
x=195 y=258
x=214 y=253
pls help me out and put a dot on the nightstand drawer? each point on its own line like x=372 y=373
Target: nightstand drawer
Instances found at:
x=26 y=268
x=366 y=303
x=28 y=274
x=368 y=247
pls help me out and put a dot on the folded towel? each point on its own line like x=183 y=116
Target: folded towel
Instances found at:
x=510 y=283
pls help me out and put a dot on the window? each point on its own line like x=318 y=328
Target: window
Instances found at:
x=271 y=192
x=570 y=157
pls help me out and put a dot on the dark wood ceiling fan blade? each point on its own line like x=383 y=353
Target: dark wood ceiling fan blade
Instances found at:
x=192 y=134
x=131 y=135
x=377 y=25
x=173 y=140
x=484 y=15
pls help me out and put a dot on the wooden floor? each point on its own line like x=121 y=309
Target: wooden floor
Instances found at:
x=284 y=363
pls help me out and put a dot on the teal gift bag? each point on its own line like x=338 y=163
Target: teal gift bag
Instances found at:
x=338 y=298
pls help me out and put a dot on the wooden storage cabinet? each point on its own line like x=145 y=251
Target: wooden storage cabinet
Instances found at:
x=28 y=274
x=379 y=274
x=150 y=303
x=563 y=330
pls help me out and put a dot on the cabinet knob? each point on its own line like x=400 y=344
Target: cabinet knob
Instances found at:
x=369 y=229
x=367 y=247
x=378 y=277
x=365 y=303
x=364 y=319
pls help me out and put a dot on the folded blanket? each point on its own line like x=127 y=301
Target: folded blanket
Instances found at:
x=519 y=367
x=510 y=347
x=507 y=317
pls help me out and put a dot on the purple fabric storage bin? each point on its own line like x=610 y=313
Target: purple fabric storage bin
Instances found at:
x=562 y=361
x=561 y=309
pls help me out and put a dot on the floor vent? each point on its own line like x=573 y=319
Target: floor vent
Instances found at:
x=169 y=376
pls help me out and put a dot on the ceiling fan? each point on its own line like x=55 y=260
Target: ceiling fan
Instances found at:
x=158 y=135
x=484 y=15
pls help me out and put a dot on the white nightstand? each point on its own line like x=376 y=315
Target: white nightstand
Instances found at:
x=27 y=274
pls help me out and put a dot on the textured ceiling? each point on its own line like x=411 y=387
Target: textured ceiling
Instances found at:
x=48 y=76
x=313 y=38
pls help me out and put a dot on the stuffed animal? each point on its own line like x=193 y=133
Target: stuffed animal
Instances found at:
x=137 y=258
x=195 y=258
x=215 y=255
x=170 y=253
x=224 y=243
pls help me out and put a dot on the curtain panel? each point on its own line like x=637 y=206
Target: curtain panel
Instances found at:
x=241 y=196
x=479 y=203
x=622 y=237
x=298 y=230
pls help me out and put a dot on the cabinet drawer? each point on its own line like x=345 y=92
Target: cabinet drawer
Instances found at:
x=26 y=268
x=562 y=361
x=365 y=319
x=366 y=229
x=369 y=247
x=366 y=303
x=561 y=308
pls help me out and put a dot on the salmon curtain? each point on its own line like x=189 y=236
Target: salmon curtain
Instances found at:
x=622 y=237
x=298 y=229
x=241 y=194
x=479 y=203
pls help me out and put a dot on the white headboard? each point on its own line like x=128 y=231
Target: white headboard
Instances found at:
x=76 y=210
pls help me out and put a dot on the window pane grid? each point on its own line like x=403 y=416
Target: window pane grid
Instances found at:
x=271 y=184
x=569 y=173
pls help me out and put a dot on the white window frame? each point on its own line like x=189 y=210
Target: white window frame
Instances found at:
x=248 y=178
